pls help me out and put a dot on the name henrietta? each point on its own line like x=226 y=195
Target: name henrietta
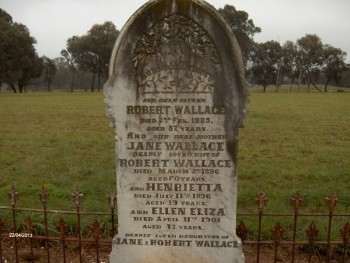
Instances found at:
x=183 y=187
x=136 y=109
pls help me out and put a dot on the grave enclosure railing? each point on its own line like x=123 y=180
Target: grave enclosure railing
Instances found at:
x=15 y=235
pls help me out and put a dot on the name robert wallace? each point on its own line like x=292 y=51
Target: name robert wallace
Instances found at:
x=175 y=163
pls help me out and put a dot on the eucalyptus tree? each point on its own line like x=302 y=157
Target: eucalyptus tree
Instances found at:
x=334 y=64
x=265 y=61
x=49 y=72
x=72 y=66
x=309 y=58
x=289 y=61
x=91 y=52
x=18 y=58
x=243 y=28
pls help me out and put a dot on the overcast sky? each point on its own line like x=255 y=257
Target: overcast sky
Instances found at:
x=52 y=22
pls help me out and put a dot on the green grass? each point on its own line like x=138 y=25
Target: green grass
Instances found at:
x=291 y=142
x=60 y=141
x=296 y=143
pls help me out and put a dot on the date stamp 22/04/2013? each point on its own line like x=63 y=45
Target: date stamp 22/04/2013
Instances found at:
x=21 y=235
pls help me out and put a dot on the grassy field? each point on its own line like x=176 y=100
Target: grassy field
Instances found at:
x=291 y=142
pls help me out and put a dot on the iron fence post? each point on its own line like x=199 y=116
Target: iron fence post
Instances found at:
x=312 y=233
x=13 y=195
x=261 y=201
x=78 y=197
x=277 y=233
x=44 y=197
x=96 y=230
x=296 y=202
x=331 y=202
x=112 y=200
x=2 y=224
x=29 y=229
x=62 y=228
x=346 y=236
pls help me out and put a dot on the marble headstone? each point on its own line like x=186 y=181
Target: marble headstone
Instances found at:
x=176 y=96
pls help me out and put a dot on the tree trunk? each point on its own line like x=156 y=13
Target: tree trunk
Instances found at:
x=326 y=85
x=13 y=87
x=20 y=88
x=93 y=82
x=313 y=84
x=72 y=80
x=264 y=88
x=99 y=82
x=278 y=78
x=299 y=81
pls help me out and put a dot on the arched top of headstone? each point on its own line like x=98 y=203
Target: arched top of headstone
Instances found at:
x=179 y=47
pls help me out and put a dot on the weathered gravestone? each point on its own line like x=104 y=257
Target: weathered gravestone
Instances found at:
x=176 y=96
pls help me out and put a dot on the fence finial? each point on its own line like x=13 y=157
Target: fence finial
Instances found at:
x=242 y=231
x=296 y=202
x=331 y=201
x=62 y=227
x=112 y=199
x=261 y=201
x=2 y=224
x=13 y=195
x=77 y=196
x=346 y=233
x=29 y=225
x=277 y=233
x=96 y=230
x=312 y=232
x=44 y=195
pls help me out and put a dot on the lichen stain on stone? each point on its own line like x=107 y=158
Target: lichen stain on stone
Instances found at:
x=232 y=149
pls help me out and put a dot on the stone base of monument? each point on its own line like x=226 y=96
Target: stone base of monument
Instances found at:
x=188 y=254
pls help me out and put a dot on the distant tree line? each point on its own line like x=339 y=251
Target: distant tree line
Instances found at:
x=84 y=62
x=308 y=61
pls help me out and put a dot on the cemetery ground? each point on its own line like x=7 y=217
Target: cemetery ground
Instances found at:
x=292 y=142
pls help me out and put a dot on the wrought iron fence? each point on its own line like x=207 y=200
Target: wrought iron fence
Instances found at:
x=327 y=250
x=16 y=236
x=94 y=236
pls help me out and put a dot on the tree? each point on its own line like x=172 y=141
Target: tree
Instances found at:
x=49 y=72
x=18 y=59
x=91 y=52
x=289 y=61
x=105 y=35
x=265 y=60
x=243 y=28
x=333 y=64
x=309 y=58
x=72 y=66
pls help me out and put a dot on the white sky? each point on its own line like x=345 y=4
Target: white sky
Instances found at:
x=52 y=22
